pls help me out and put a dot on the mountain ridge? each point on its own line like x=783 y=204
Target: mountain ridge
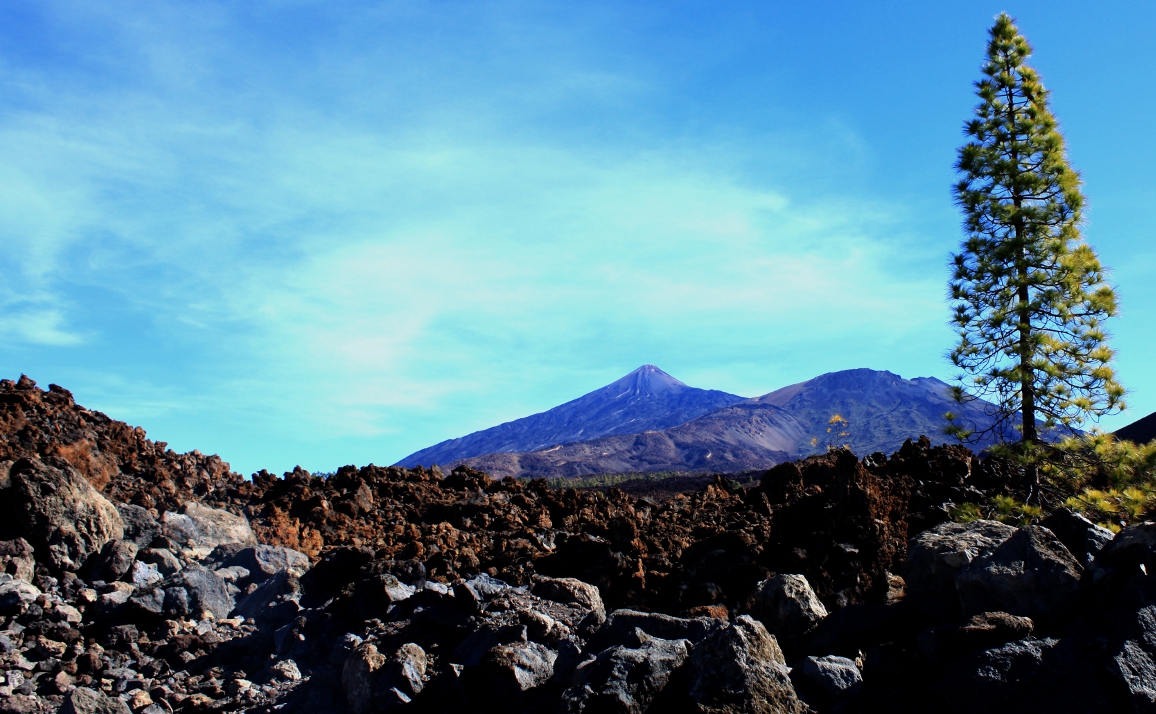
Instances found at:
x=646 y=399
x=882 y=410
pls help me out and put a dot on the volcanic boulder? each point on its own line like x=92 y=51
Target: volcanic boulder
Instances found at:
x=936 y=557
x=58 y=512
x=1031 y=574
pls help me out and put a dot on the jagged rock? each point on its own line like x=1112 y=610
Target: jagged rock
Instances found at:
x=165 y=562
x=17 y=558
x=1030 y=675
x=286 y=669
x=274 y=603
x=1133 y=546
x=139 y=525
x=1083 y=539
x=740 y=668
x=829 y=678
x=1137 y=669
x=937 y=556
x=64 y=518
x=788 y=607
x=200 y=529
x=984 y=631
x=1031 y=574
x=571 y=590
x=376 y=594
x=620 y=626
x=264 y=561
x=625 y=678
x=479 y=590
x=145 y=574
x=357 y=677
x=473 y=648
x=374 y=683
x=83 y=700
x=517 y=667
x=202 y=589
x=16 y=594
x=114 y=561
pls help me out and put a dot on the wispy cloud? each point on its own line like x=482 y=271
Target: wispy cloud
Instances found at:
x=359 y=232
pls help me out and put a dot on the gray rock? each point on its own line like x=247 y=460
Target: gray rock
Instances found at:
x=1031 y=574
x=936 y=557
x=274 y=603
x=16 y=595
x=165 y=562
x=518 y=667
x=83 y=700
x=1137 y=668
x=203 y=591
x=473 y=648
x=375 y=683
x=151 y=601
x=357 y=677
x=145 y=574
x=740 y=668
x=200 y=529
x=264 y=561
x=285 y=669
x=18 y=559
x=620 y=625
x=114 y=561
x=113 y=597
x=625 y=678
x=1131 y=547
x=232 y=574
x=831 y=677
x=985 y=631
x=479 y=590
x=571 y=590
x=139 y=525
x=56 y=510
x=1030 y=675
x=377 y=594
x=788 y=607
x=1080 y=536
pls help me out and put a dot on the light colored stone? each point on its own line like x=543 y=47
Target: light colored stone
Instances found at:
x=625 y=679
x=60 y=513
x=788 y=606
x=937 y=556
x=1031 y=574
x=200 y=529
x=739 y=668
x=835 y=677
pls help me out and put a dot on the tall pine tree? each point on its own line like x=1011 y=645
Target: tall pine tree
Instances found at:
x=1029 y=295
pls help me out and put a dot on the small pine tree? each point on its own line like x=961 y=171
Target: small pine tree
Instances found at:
x=1029 y=295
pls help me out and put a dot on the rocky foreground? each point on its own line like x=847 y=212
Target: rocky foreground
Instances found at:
x=136 y=579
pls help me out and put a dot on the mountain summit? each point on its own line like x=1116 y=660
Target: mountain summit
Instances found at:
x=647 y=399
x=882 y=408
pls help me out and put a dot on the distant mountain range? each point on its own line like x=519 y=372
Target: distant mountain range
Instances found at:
x=647 y=399
x=649 y=421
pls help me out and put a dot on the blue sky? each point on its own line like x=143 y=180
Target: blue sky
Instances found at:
x=329 y=233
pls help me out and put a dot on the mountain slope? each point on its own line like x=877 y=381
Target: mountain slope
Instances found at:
x=647 y=399
x=882 y=409
x=737 y=437
x=1140 y=431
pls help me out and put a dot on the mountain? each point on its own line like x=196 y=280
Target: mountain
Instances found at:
x=882 y=409
x=738 y=437
x=647 y=399
x=1140 y=431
